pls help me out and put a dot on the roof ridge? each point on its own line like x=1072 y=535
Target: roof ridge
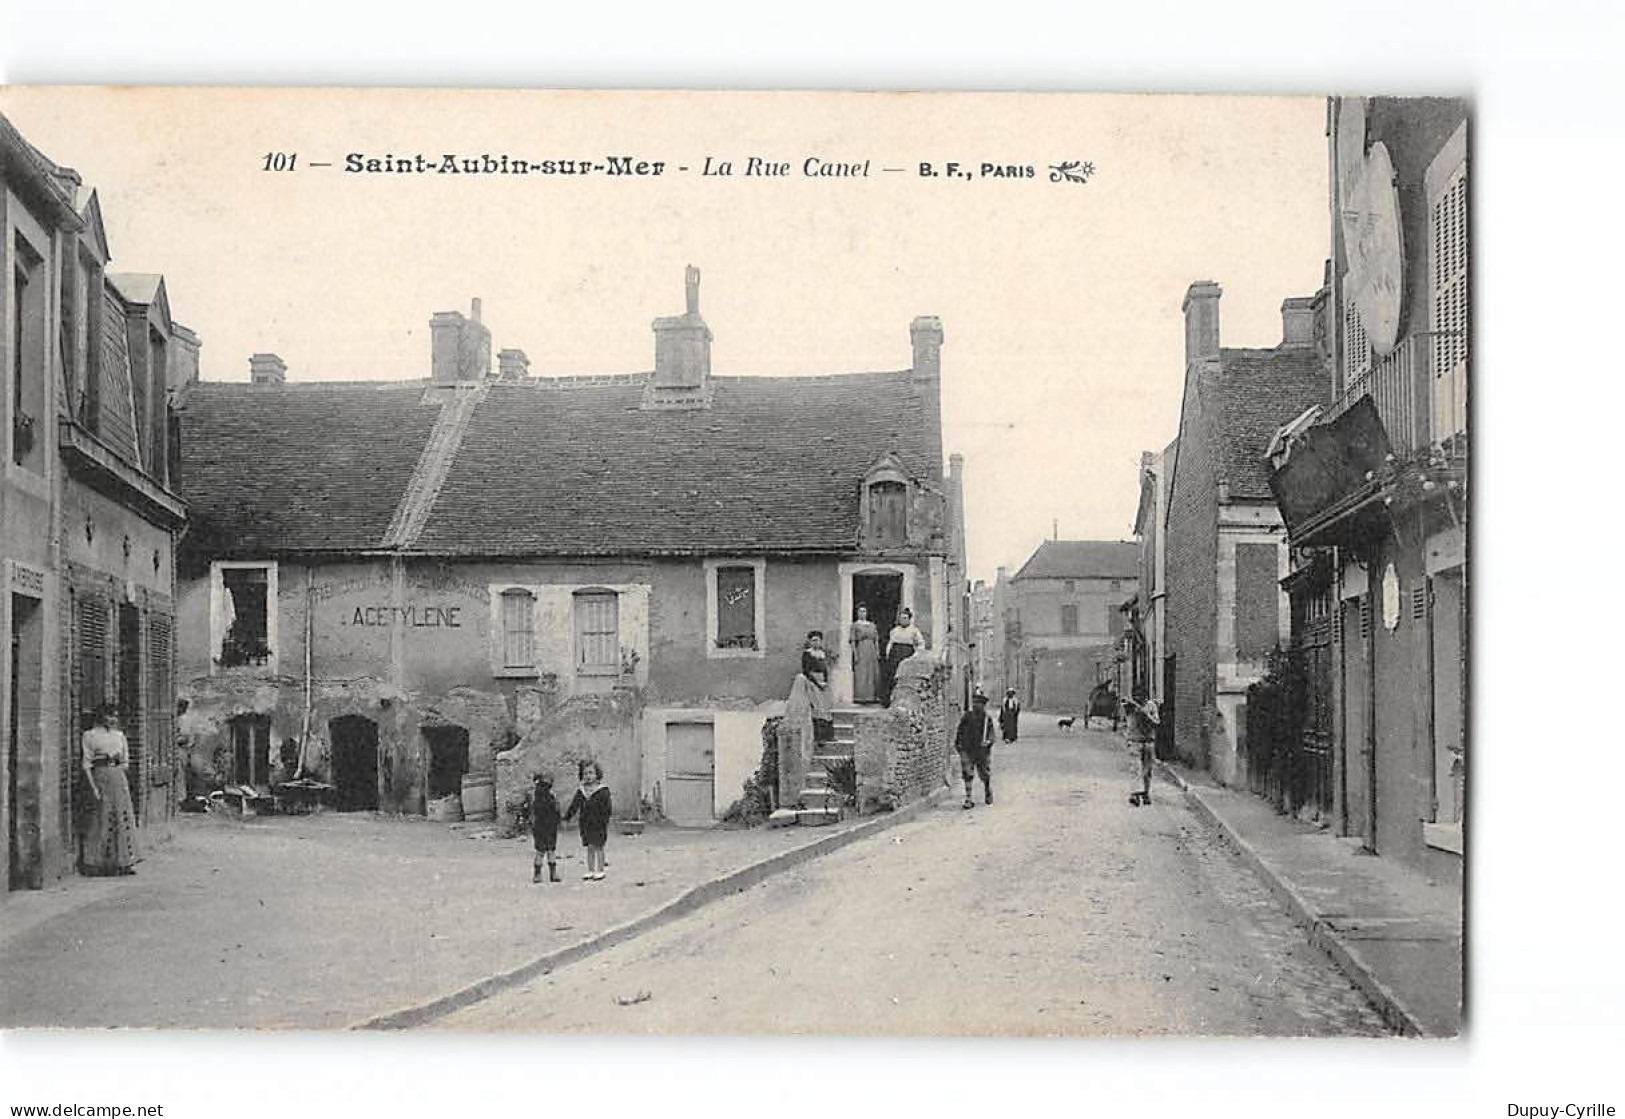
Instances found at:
x=434 y=463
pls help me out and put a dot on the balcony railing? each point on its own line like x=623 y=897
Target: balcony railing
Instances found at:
x=1420 y=391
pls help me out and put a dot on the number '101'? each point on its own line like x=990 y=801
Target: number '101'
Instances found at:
x=281 y=161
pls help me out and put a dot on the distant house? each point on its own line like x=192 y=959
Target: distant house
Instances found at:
x=388 y=582
x=88 y=513
x=1225 y=548
x=1063 y=620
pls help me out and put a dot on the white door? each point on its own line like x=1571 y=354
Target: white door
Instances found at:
x=690 y=795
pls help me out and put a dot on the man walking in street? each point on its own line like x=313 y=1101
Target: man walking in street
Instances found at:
x=1143 y=720
x=974 y=742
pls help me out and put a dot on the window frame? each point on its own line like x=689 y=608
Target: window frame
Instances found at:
x=611 y=667
x=712 y=569
x=217 y=615
x=1069 y=609
x=527 y=666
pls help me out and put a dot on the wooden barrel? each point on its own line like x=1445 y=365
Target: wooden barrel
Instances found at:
x=479 y=797
x=446 y=809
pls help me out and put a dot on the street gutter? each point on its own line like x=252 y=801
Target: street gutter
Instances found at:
x=1321 y=932
x=717 y=888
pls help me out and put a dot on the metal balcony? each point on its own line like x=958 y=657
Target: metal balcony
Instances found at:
x=1420 y=391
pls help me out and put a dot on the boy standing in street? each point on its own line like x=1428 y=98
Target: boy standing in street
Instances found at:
x=974 y=742
x=1143 y=720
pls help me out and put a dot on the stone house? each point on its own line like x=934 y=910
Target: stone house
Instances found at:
x=387 y=583
x=1064 y=620
x=1225 y=548
x=1374 y=488
x=88 y=513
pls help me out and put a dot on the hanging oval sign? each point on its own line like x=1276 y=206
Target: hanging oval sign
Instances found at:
x=1377 y=252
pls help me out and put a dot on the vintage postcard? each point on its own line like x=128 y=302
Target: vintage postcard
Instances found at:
x=734 y=563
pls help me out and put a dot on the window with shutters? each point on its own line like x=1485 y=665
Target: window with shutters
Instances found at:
x=518 y=608
x=1356 y=346
x=1258 y=600
x=1069 y=620
x=734 y=608
x=243 y=616
x=598 y=632
x=250 y=750
x=1449 y=284
x=161 y=705
x=92 y=620
x=888 y=514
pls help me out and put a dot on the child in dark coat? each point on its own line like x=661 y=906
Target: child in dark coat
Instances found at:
x=592 y=802
x=544 y=827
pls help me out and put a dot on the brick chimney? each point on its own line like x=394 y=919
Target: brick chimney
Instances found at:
x=512 y=365
x=185 y=348
x=1201 y=308
x=683 y=343
x=926 y=334
x=460 y=347
x=267 y=369
x=1298 y=321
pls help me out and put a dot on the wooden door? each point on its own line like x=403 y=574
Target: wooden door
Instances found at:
x=690 y=795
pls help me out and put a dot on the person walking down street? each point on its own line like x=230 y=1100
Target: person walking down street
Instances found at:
x=974 y=742
x=1009 y=715
x=815 y=667
x=903 y=642
x=544 y=828
x=1143 y=720
x=110 y=836
x=592 y=804
x=865 y=659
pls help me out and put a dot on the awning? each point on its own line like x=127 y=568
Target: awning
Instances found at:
x=1329 y=470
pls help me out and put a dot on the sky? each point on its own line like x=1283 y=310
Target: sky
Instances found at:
x=1060 y=302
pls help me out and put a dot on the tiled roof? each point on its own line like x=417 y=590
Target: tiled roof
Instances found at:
x=297 y=468
x=565 y=466
x=1083 y=559
x=1259 y=391
x=574 y=466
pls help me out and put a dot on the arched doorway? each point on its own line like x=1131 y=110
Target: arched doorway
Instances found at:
x=355 y=762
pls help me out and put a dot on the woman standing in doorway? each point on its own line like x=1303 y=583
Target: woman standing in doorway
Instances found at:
x=905 y=640
x=815 y=667
x=865 y=659
x=110 y=838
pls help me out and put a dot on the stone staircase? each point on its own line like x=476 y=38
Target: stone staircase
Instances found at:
x=817 y=802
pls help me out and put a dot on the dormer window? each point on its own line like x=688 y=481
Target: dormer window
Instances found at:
x=885 y=505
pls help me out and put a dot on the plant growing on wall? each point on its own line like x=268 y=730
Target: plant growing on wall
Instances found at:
x=843 y=778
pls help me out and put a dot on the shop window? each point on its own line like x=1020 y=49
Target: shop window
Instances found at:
x=518 y=628
x=244 y=596
x=598 y=632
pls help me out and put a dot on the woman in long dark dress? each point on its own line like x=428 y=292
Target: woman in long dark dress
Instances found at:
x=592 y=803
x=1009 y=715
x=110 y=836
x=815 y=667
x=905 y=640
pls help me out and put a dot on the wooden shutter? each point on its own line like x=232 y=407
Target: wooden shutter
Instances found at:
x=1449 y=282
x=598 y=643
x=91 y=618
x=1356 y=346
x=888 y=511
x=518 y=629
x=161 y=707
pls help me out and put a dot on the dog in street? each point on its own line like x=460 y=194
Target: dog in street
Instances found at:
x=1066 y=723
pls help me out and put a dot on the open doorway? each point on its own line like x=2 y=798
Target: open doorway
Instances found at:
x=448 y=760
x=882 y=593
x=23 y=746
x=355 y=763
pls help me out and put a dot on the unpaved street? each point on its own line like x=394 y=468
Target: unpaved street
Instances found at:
x=1059 y=910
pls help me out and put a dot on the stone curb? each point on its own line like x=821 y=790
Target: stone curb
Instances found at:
x=1321 y=933
x=685 y=903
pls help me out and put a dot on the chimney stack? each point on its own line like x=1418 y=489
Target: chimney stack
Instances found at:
x=512 y=365
x=267 y=369
x=682 y=376
x=183 y=358
x=926 y=334
x=1201 y=308
x=1298 y=321
x=460 y=348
